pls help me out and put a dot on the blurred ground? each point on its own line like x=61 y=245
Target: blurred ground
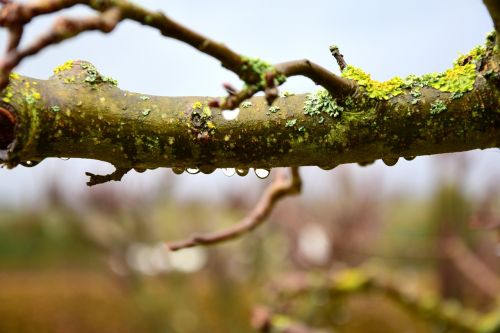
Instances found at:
x=96 y=263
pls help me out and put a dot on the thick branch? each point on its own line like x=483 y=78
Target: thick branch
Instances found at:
x=79 y=113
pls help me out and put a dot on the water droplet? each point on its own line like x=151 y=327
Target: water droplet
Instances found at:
x=64 y=158
x=242 y=172
x=410 y=158
x=192 y=171
x=390 y=161
x=230 y=114
x=229 y=171
x=29 y=164
x=207 y=169
x=262 y=173
x=328 y=167
x=365 y=163
x=178 y=170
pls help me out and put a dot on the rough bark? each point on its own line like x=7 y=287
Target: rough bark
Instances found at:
x=79 y=113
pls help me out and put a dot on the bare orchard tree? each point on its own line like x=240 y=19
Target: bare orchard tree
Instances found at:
x=80 y=113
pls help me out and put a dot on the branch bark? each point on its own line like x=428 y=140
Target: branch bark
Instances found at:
x=82 y=114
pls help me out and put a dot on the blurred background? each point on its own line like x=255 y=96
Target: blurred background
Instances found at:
x=79 y=259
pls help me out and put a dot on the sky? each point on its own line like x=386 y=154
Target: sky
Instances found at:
x=384 y=37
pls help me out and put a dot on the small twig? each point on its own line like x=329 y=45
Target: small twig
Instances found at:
x=116 y=175
x=472 y=267
x=494 y=9
x=15 y=16
x=278 y=189
x=63 y=29
x=336 y=86
x=15 y=35
x=334 y=49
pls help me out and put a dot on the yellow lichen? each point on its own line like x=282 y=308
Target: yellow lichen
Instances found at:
x=197 y=106
x=458 y=79
x=350 y=280
x=210 y=125
x=64 y=67
x=375 y=89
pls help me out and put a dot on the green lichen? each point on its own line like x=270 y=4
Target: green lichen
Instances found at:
x=415 y=93
x=206 y=113
x=93 y=77
x=286 y=94
x=291 y=122
x=322 y=102
x=146 y=112
x=32 y=97
x=437 y=107
x=110 y=80
x=55 y=108
x=246 y=104
x=458 y=79
x=259 y=67
x=274 y=109
x=144 y=98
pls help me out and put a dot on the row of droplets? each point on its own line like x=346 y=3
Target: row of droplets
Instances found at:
x=229 y=172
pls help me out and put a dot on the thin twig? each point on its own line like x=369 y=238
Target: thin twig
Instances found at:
x=116 y=175
x=64 y=28
x=334 y=50
x=15 y=16
x=281 y=187
x=336 y=86
x=484 y=278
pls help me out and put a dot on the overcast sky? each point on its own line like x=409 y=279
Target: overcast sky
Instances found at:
x=384 y=37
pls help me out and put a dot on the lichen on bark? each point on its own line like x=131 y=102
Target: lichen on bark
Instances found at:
x=80 y=113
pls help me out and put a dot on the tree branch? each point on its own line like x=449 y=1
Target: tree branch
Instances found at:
x=472 y=267
x=336 y=86
x=81 y=113
x=117 y=175
x=355 y=281
x=494 y=10
x=279 y=189
x=257 y=74
x=64 y=28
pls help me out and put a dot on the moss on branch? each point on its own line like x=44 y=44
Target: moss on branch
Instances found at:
x=80 y=113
